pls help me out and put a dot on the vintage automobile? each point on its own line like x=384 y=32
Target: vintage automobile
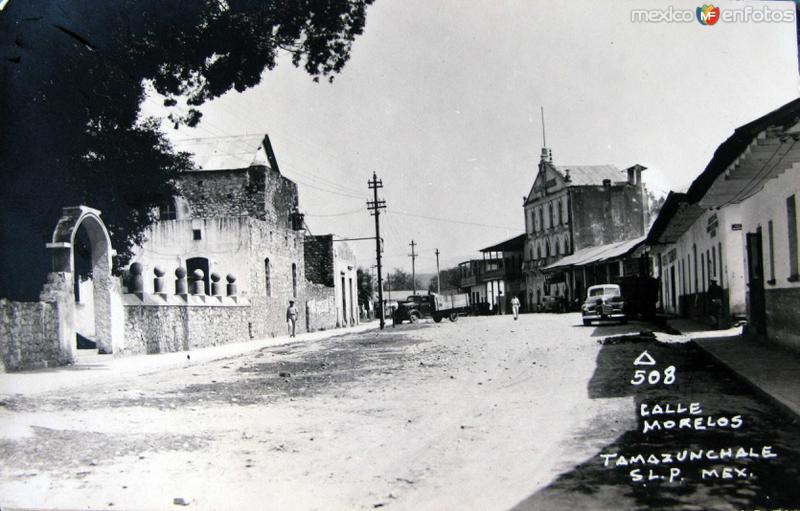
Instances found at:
x=604 y=302
x=432 y=305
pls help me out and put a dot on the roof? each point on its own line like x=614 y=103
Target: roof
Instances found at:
x=589 y=175
x=739 y=142
x=229 y=152
x=592 y=255
x=515 y=244
x=755 y=152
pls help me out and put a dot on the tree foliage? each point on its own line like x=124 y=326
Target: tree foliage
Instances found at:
x=400 y=279
x=366 y=287
x=75 y=74
x=451 y=280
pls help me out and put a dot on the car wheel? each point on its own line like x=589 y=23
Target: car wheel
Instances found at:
x=453 y=317
x=413 y=318
x=437 y=319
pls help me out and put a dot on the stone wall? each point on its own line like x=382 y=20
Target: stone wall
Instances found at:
x=320 y=307
x=29 y=336
x=318 y=253
x=153 y=329
x=284 y=249
x=258 y=192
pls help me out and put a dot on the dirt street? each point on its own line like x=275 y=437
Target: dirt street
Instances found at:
x=485 y=413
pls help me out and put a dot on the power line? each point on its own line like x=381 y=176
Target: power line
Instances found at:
x=450 y=220
x=343 y=213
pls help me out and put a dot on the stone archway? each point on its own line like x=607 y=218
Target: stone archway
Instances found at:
x=62 y=249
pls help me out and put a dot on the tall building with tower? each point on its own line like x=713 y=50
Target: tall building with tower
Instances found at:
x=573 y=207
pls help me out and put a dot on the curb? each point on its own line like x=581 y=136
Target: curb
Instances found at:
x=785 y=408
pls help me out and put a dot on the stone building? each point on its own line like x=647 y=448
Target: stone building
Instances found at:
x=220 y=265
x=737 y=225
x=235 y=214
x=574 y=207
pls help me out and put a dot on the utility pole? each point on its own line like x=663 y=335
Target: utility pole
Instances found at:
x=375 y=206
x=438 y=275
x=413 y=271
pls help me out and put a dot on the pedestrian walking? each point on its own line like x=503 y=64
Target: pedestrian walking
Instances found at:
x=291 y=318
x=515 y=307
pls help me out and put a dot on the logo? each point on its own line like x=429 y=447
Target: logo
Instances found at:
x=707 y=14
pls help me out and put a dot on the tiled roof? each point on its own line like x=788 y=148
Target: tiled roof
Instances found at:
x=583 y=175
x=225 y=153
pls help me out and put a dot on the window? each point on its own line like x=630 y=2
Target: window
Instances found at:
x=791 y=216
x=546 y=249
x=560 y=213
x=721 y=270
x=167 y=211
x=541 y=218
x=694 y=251
x=550 y=210
x=771 y=247
x=197 y=234
x=294 y=280
x=267 y=277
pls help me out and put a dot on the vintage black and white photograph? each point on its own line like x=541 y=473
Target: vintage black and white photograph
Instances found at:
x=399 y=254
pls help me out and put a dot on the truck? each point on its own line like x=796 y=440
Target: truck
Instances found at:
x=432 y=305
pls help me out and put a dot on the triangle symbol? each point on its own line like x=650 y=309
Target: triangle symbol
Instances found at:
x=644 y=360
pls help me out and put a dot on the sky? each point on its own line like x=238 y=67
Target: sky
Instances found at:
x=442 y=101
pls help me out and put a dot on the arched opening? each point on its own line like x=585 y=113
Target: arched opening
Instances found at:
x=81 y=248
x=199 y=263
x=294 y=280
x=83 y=289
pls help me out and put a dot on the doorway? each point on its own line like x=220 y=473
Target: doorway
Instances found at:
x=755 y=291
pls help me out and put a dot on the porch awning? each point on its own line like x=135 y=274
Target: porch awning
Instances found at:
x=594 y=255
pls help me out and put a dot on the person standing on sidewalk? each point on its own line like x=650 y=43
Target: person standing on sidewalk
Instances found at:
x=515 y=307
x=291 y=318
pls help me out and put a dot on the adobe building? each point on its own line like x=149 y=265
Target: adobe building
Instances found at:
x=737 y=225
x=575 y=207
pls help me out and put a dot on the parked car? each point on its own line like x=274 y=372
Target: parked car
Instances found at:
x=432 y=305
x=604 y=302
x=552 y=304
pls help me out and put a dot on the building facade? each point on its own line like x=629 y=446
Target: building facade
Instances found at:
x=237 y=214
x=574 y=207
x=492 y=280
x=737 y=226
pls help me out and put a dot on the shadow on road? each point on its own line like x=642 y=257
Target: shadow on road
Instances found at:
x=769 y=483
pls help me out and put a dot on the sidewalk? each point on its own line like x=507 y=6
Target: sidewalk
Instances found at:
x=771 y=370
x=93 y=368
